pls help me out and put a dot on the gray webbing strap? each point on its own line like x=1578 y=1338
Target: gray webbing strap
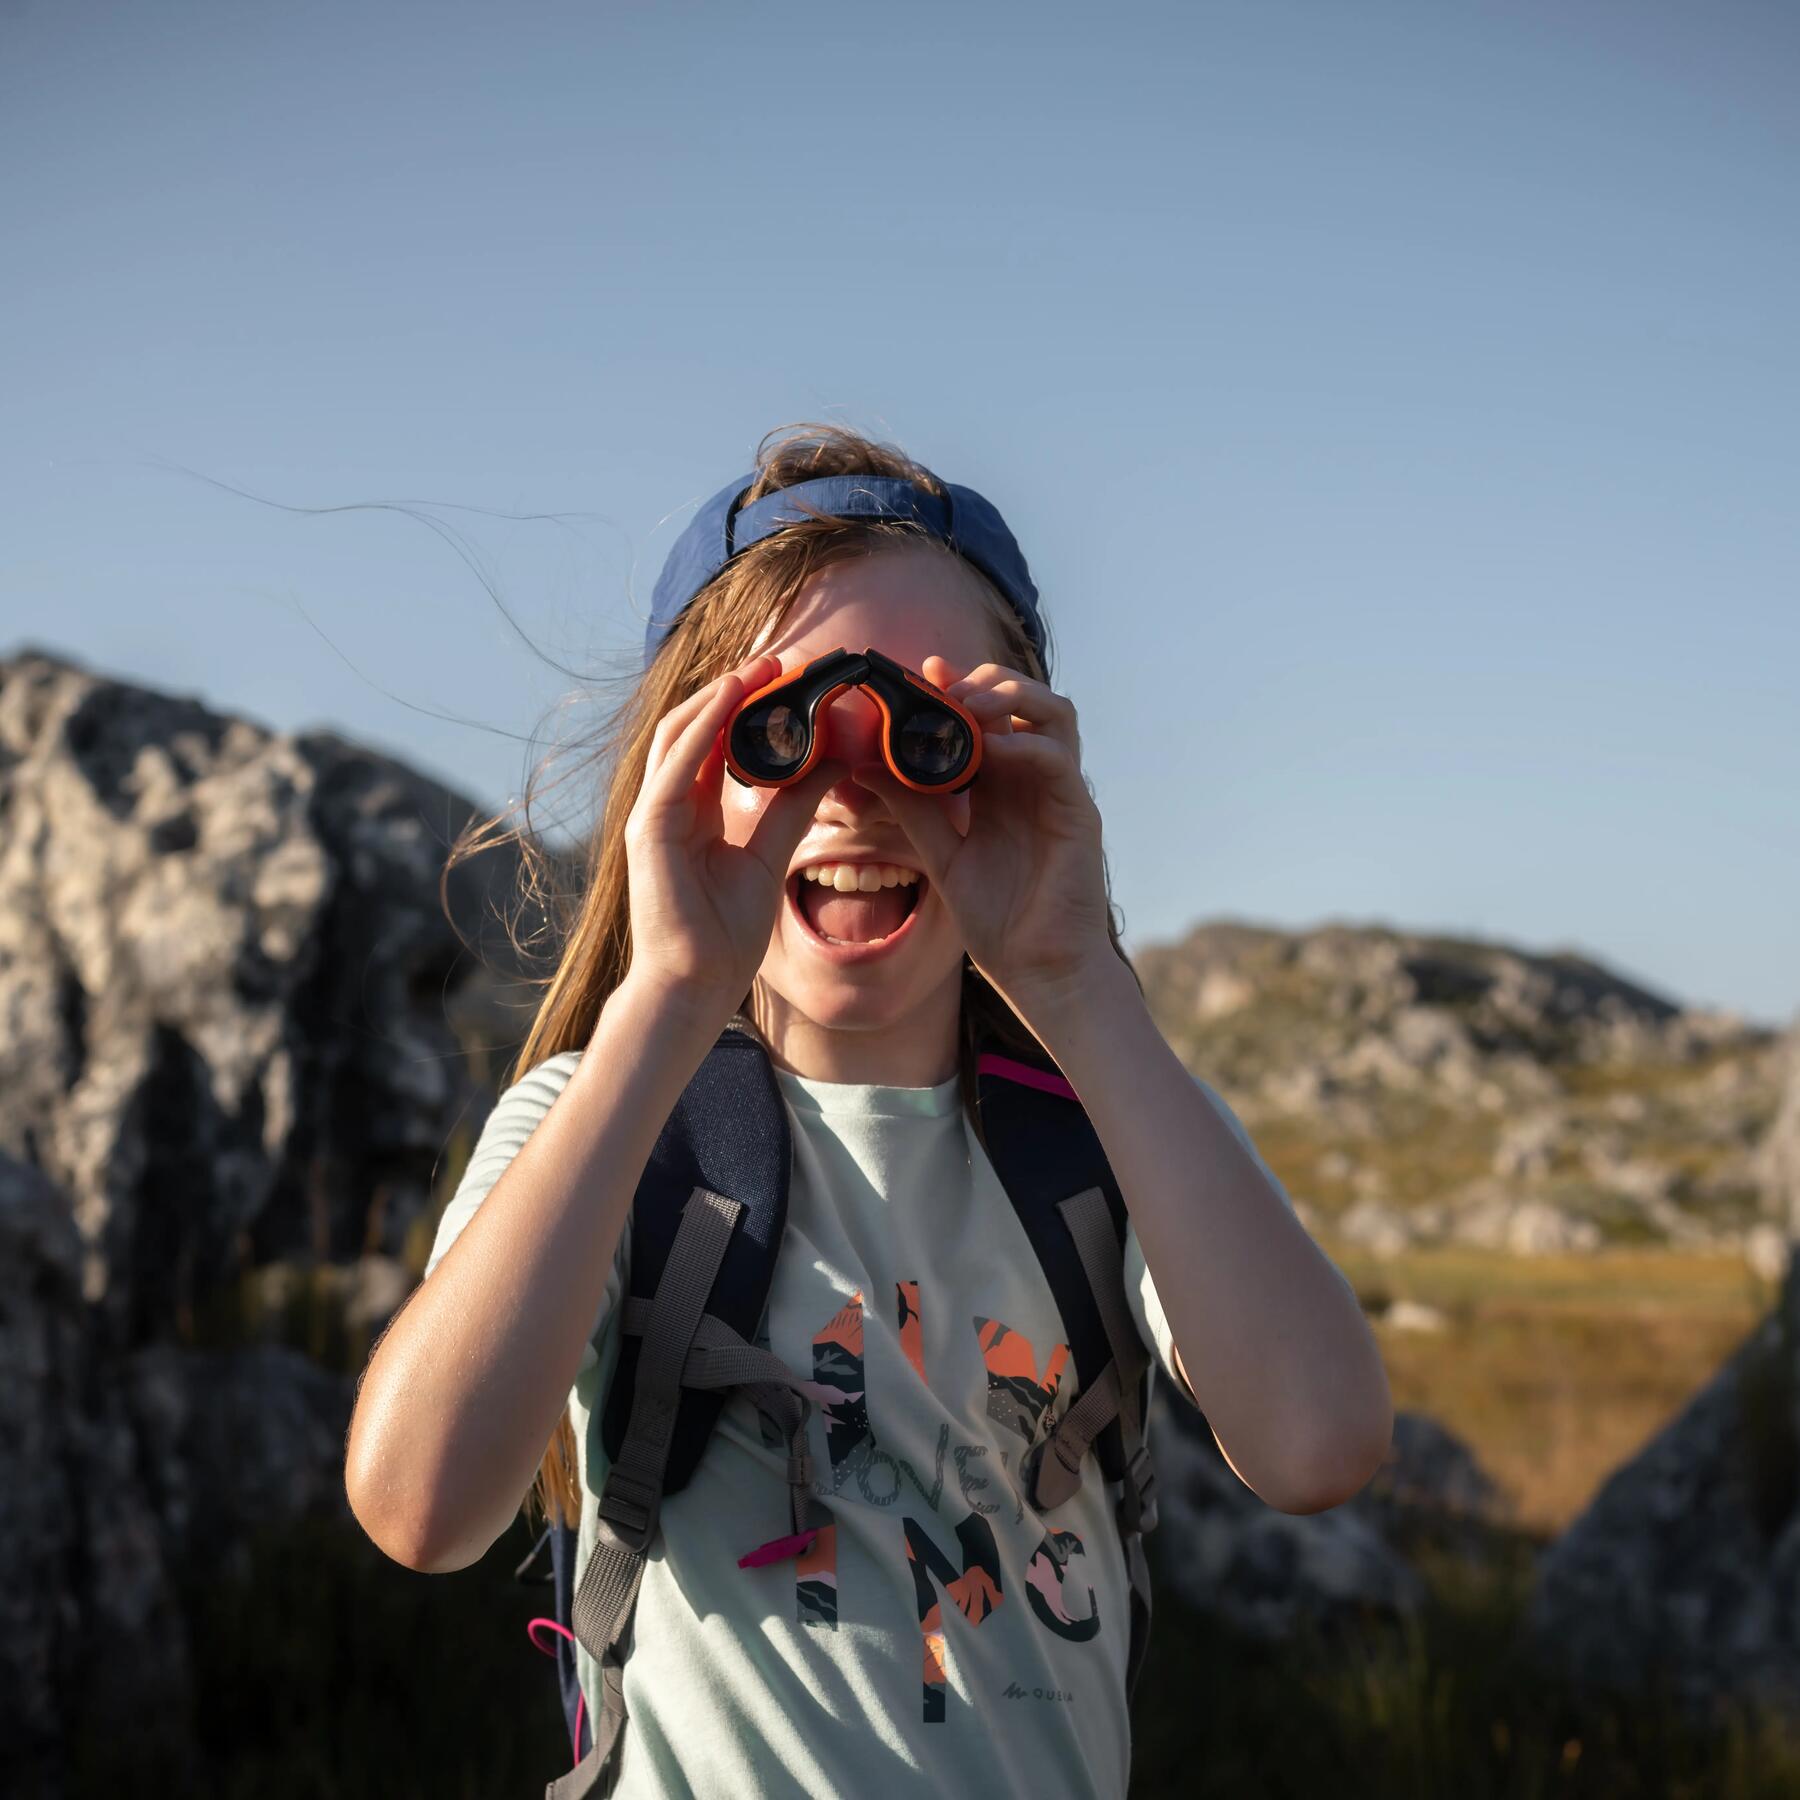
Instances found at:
x=705 y=1352
x=584 y=1779
x=724 y=1358
x=1058 y=1460
x=1091 y=1226
x=633 y=1491
x=632 y=1497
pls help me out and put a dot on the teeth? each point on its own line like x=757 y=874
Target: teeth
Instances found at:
x=848 y=878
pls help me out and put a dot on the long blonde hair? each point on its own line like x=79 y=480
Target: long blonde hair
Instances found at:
x=586 y=934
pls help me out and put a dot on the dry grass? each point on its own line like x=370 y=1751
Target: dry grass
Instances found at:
x=1556 y=1369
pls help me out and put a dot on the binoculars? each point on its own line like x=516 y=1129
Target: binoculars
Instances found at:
x=930 y=743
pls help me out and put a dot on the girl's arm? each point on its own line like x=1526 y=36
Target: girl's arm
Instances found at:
x=1271 y=1337
x=463 y=1391
x=1273 y=1342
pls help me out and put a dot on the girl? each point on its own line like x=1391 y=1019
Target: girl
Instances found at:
x=872 y=935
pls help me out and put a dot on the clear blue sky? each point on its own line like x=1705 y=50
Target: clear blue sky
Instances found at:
x=1397 y=405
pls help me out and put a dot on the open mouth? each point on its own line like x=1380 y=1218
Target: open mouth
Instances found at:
x=855 y=910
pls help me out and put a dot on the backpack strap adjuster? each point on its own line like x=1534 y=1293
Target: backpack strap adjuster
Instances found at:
x=1137 y=1505
x=627 y=1523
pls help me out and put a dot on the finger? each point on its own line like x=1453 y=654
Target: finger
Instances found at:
x=1040 y=758
x=992 y=711
x=709 y=786
x=790 y=811
x=1040 y=706
x=675 y=765
x=759 y=670
x=671 y=725
x=754 y=672
x=922 y=817
x=987 y=673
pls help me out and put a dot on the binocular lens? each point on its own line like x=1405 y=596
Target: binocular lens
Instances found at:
x=933 y=743
x=930 y=743
x=775 y=734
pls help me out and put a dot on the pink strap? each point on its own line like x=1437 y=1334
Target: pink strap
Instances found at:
x=778 y=1549
x=989 y=1063
x=550 y=1650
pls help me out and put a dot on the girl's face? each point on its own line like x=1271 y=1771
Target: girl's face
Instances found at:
x=909 y=602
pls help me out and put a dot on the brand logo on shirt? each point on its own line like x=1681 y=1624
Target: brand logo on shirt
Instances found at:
x=1012 y=1691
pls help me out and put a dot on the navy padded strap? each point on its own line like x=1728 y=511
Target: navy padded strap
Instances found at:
x=728 y=1133
x=1044 y=1149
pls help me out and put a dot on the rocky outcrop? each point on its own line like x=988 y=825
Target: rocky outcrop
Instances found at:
x=1422 y=1089
x=88 y=1614
x=223 y=974
x=1778 y=1160
x=1683 y=1569
x=1270 y=1573
x=1682 y=1572
x=1486 y=1216
x=234 y=1043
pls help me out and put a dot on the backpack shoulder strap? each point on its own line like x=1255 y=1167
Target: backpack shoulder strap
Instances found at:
x=727 y=1136
x=1051 y=1163
x=706 y=1222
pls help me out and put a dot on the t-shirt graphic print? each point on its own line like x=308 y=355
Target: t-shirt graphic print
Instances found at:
x=1018 y=1399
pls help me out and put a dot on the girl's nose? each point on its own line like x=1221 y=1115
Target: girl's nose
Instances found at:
x=853 y=727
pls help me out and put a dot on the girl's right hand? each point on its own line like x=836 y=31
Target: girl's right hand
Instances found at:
x=703 y=910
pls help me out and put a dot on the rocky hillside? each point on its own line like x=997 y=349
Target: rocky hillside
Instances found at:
x=1409 y=1087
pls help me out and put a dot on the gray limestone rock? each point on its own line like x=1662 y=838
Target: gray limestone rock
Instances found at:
x=1271 y=1573
x=1778 y=1158
x=1228 y=1552
x=1371 y=1225
x=237 y=1030
x=1390 y=1064
x=1684 y=1571
x=223 y=974
x=89 y=1622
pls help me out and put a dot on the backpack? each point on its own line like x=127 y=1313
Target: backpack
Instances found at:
x=706 y=1222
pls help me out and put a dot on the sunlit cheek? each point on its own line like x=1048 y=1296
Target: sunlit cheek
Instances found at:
x=740 y=807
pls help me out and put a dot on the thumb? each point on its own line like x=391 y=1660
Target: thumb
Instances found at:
x=788 y=814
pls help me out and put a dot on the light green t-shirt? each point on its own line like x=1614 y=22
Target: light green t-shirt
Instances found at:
x=928 y=1644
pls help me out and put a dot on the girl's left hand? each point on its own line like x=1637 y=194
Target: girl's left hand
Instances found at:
x=1025 y=885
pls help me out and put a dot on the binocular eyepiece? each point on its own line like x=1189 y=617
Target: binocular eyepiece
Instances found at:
x=928 y=741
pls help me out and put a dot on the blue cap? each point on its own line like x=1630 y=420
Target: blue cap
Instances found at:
x=721 y=529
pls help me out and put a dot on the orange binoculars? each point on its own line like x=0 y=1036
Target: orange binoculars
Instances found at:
x=930 y=743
